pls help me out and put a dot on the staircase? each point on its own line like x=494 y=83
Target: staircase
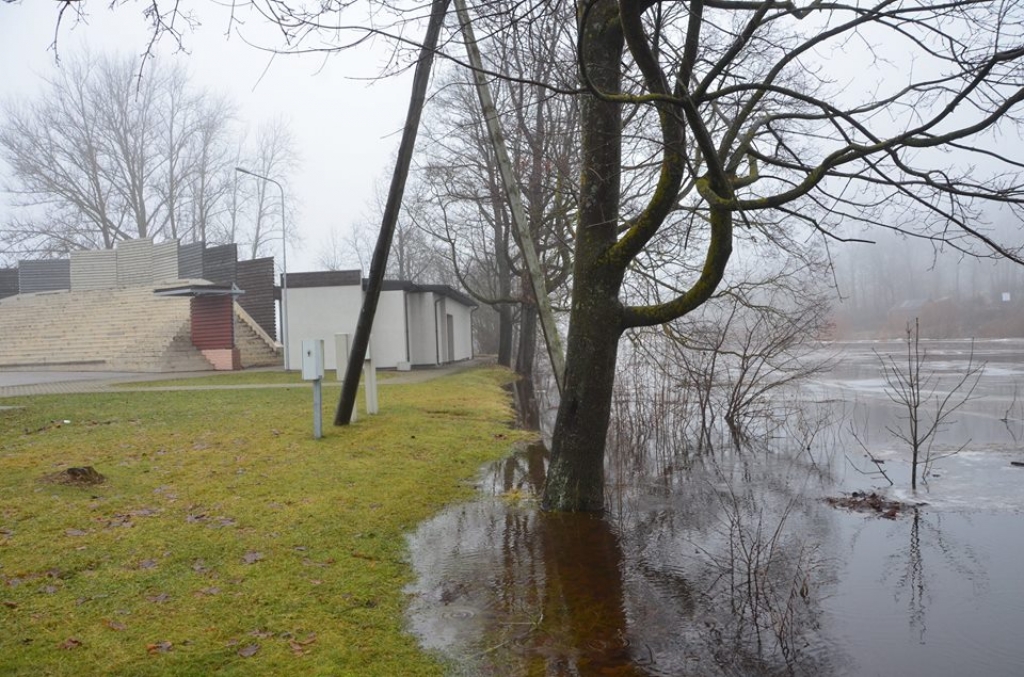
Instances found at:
x=255 y=346
x=127 y=329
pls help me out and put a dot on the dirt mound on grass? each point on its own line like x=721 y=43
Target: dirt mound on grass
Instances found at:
x=79 y=476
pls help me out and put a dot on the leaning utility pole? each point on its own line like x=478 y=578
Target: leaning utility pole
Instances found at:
x=379 y=262
x=508 y=180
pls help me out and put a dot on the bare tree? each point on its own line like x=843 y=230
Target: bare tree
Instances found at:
x=333 y=252
x=748 y=133
x=416 y=255
x=470 y=191
x=101 y=157
x=927 y=405
x=273 y=155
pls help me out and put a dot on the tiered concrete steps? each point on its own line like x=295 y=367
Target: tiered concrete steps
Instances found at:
x=127 y=329
x=257 y=349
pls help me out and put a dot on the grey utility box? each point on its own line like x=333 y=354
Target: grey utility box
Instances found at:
x=312 y=359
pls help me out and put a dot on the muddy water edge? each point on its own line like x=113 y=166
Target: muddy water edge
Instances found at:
x=729 y=560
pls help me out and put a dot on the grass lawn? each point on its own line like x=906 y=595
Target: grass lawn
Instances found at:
x=225 y=540
x=253 y=377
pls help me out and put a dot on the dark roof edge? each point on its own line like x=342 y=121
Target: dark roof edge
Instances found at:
x=325 y=278
x=442 y=289
x=348 y=278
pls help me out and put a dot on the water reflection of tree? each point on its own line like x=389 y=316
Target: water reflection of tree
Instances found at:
x=690 y=577
x=927 y=542
x=561 y=577
x=914 y=579
x=746 y=547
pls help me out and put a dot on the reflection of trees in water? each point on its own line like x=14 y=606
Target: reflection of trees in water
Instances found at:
x=927 y=542
x=527 y=405
x=746 y=543
x=715 y=572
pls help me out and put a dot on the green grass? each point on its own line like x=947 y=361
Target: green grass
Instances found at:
x=224 y=526
x=231 y=378
x=245 y=378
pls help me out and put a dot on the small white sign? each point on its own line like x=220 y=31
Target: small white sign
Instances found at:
x=1006 y=297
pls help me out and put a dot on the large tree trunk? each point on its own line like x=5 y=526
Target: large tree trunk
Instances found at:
x=505 y=334
x=575 y=479
x=527 y=340
x=526 y=396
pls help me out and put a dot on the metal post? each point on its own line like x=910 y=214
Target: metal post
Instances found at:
x=284 y=264
x=318 y=409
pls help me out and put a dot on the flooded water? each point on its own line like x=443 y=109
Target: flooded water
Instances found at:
x=731 y=563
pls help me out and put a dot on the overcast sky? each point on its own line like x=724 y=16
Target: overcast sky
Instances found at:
x=346 y=127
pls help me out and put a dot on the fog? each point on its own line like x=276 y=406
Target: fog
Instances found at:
x=344 y=120
x=884 y=285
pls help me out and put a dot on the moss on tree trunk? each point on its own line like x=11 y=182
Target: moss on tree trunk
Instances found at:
x=575 y=479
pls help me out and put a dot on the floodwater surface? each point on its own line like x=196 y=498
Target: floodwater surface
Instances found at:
x=732 y=563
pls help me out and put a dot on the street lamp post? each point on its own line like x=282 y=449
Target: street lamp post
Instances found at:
x=284 y=264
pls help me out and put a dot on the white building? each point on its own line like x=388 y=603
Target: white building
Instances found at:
x=415 y=325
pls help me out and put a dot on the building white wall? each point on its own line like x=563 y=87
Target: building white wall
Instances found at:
x=463 y=329
x=320 y=313
x=423 y=347
x=389 y=330
x=409 y=327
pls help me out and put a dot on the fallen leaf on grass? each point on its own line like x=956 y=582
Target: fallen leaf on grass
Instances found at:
x=252 y=557
x=147 y=564
x=360 y=555
x=118 y=520
x=299 y=646
x=199 y=566
x=167 y=492
x=159 y=598
x=10 y=605
x=76 y=532
x=70 y=643
x=159 y=647
x=307 y=562
x=208 y=592
x=249 y=651
x=114 y=625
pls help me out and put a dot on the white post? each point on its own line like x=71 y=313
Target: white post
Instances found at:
x=342 y=349
x=370 y=380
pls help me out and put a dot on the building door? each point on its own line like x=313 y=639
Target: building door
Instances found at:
x=451 y=337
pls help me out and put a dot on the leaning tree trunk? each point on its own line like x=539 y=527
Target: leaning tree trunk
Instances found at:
x=520 y=223
x=575 y=479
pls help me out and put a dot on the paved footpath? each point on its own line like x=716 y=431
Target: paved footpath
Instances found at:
x=27 y=383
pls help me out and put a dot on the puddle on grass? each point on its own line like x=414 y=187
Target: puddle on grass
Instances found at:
x=731 y=564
